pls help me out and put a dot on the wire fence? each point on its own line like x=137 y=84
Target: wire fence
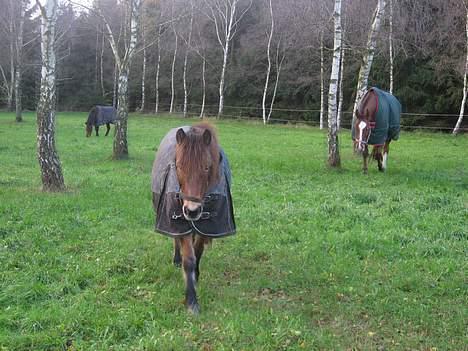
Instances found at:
x=311 y=117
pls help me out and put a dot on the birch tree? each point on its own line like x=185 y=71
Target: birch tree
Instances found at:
x=143 y=73
x=223 y=13
x=174 y=57
x=189 y=40
x=49 y=162
x=333 y=146
x=19 y=61
x=368 y=56
x=267 y=78
x=390 y=44
x=322 y=83
x=456 y=130
x=123 y=61
x=158 y=66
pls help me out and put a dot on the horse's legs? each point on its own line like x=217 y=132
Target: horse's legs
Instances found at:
x=199 y=246
x=189 y=262
x=385 y=154
x=365 y=155
x=177 y=260
x=378 y=157
x=108 y=128
x=97 y=130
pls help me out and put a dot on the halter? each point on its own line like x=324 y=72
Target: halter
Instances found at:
x=370 y=125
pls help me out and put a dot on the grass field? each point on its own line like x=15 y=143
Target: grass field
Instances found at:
x=323 y=260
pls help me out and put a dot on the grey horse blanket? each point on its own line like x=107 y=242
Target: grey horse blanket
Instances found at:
x=387 y=119
x=218 y=217
x=100 y=115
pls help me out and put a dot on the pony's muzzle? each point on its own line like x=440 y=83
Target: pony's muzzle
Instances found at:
x=192 y=211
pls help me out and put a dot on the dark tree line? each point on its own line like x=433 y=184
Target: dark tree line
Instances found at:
x=428 y=35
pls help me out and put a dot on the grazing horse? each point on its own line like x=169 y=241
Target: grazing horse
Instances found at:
x=191 y=196
x=98 y=116
x=377 y=123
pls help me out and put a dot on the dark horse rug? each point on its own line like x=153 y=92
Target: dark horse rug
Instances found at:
x=100 y=115
x=217 y=217
x=385 y=124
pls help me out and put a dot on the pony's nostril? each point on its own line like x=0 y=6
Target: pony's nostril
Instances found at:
x=192 y=214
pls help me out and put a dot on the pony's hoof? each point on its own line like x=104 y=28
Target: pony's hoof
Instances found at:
x=364 y=172
x=194 y=309
x=177 y=263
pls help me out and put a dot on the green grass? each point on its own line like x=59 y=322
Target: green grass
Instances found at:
x=323 y=259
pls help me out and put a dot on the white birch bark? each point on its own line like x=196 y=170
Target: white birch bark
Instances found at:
x=123 y=63
x=390 y=43
x=11 y=86
x=189 y=39
x=49 y=162
x=19 y=62
x=322 y=83
x=340 y=86
x=115 y=86
x=333 y=146
x=158 y=65
x=368 y=56
x=202 y=109
x=143 y=76
x=223 y=14
x=279 y=64
x=267 y=78
x=103 y=91
x=456 y=130
x=171 y=108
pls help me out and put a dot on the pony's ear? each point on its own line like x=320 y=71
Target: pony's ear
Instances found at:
x=207 y=137
x=180 y=136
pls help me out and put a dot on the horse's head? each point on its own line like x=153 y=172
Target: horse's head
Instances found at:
x=362 y=130
x=89 y=129
x=197 y=167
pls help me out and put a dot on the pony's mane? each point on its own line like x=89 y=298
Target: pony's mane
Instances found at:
x=191 y=152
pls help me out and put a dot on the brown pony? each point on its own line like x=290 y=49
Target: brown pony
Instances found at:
x=377 y=123
x=197 y=162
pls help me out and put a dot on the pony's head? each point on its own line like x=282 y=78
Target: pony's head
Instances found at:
x=197 y=167
x=362 y=130
x=90 y=122
x=89 y=129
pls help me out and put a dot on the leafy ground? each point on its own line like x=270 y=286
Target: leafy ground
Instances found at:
x=322 y=260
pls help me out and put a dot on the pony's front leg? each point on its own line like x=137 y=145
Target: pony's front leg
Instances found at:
x=385 y=155
x=365 y=155
x=108 y=129
x=177 y=260
x=97 y=130
x=189 y=263
x=199 y=246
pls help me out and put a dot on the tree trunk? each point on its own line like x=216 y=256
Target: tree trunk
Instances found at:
x=120 y=138
x=279 y=64
x=115 y=86
x=103 y=91
x=390 y=43
x=19 y=63
x=322 y=83
x=143 y=75
x=158 y=65
x=456 y=130
x=333 y=145
x=340 y=85
x=267 y=78
x=202 y=110
x=11 y=87
x=368 y=57
x=186 y=59
x=49 y=162
x=171 y=108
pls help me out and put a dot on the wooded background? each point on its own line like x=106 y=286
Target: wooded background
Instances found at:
x=429 y=52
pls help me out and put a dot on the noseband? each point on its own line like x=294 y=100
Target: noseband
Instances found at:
x=370 y=126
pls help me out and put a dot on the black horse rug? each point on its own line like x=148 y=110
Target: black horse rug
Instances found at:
x=385 y=124
x=100 y=115
x=217 y=218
